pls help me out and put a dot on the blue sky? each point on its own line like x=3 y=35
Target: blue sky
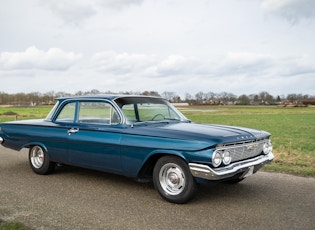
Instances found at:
x=183 y=46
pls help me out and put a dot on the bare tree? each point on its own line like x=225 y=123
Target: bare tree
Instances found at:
x=37 y=98
x=151 y=93
x=171 y=96
x=244 y=100
x=200 y=97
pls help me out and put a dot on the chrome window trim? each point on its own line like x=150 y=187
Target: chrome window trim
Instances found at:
x=86 y=99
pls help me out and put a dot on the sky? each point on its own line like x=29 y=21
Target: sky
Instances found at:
x=181 y=46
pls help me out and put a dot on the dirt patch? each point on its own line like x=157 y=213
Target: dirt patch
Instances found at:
x=5 y=106
x=9 y=113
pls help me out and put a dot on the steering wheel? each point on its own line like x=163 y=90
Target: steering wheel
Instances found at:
x=158 y=115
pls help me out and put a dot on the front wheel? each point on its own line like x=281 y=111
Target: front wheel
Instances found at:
x=39 y=161
x=173 y=180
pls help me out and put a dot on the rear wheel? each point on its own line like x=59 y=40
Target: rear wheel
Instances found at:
x=39 y=161
x=173 y=180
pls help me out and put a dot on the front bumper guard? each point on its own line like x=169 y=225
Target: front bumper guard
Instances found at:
x=253 y=165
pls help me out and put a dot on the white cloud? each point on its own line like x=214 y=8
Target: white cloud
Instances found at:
x=70 y=11
x=245 y=63
x=120 y=63
x=151 y=66
x=118 y=4
x=74 y=12
x=179 y=45
x=177 y=65
x=235 y=72
x=231 y=64
x=33 y=58
x=292 y=10
x=295 y=66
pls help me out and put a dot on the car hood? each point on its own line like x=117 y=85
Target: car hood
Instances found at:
x=173 y=135
x=209 y=133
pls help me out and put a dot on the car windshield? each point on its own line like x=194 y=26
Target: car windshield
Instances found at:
x=52 y=111
x=144 y=109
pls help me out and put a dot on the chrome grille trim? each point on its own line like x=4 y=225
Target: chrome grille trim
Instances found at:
x=204 y=171
x=243 y=150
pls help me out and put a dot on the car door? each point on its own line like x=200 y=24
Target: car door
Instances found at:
x=58 y=141
x=94 y=138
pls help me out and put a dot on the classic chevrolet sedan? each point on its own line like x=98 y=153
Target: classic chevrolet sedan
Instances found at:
x=140 y=137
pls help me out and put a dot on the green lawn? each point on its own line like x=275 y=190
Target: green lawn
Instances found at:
x=12 y=226
x=22 y=113
x=292 y=129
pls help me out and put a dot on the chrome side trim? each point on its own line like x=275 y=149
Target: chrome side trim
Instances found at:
x=205 y=172
x=1 y=140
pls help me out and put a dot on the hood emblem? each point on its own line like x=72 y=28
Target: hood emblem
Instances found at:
x=243 y=137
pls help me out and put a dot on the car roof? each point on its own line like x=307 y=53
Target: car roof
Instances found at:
x=104 y=96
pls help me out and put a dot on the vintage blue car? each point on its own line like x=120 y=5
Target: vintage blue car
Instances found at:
x=140 y=137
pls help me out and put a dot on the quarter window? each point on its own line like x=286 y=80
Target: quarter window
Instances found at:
x=97 y=113
x=67 y=113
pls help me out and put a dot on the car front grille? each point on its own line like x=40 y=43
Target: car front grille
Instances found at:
x=243 y=150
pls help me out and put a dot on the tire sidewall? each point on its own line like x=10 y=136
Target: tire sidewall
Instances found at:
x=47 y=167
x=190 y=184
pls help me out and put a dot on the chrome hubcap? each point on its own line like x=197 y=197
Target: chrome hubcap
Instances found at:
x=37 y=157
x=172 y=179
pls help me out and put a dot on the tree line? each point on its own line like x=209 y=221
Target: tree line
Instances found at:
x=200 y=98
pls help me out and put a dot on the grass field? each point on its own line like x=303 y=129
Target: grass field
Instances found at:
x=292 y=129
x=12 y=226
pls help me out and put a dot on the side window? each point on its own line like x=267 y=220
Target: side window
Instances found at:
x=67 y=113
x=129 y=112
x=97 y=113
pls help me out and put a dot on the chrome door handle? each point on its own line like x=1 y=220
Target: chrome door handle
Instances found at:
x=73 y=130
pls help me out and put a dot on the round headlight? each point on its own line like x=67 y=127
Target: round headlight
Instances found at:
x=216 y=158
x=267 y=148
x=226 y=157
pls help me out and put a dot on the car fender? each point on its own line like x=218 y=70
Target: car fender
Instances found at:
x=28 y=145
x=149 y=161
x=166 y=152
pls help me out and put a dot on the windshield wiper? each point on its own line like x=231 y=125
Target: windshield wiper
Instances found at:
x=172 y=119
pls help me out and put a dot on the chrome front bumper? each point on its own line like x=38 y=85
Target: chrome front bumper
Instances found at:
x=1 y=140
x=246 y=166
